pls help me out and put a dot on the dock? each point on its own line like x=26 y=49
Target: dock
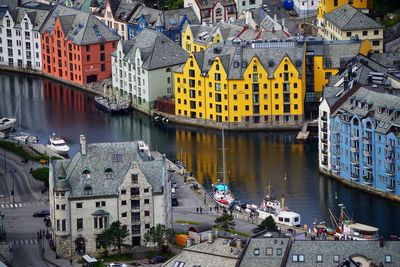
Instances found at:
x=42 y=149
x=304 y=133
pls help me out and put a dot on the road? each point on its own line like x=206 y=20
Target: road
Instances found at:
x=20 y=225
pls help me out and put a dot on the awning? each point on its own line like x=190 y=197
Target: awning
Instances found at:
x=89 y=259
x=100 y=213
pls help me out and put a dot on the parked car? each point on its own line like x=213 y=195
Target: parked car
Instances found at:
x=174 y=202
x=47 y=220
x=117 y=265
x=41 y=213
x=157 y=259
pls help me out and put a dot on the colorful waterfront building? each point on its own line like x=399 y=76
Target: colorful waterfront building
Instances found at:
x=20 y=34
x=347 y=22
x=142 y=68
x=76 y=46
x=262 y=84
x=326 y=6
x=212 y=11
x=359 y=126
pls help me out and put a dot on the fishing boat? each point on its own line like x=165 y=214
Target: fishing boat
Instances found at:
x=281 y=214
x=347 y=229
x=58 y=145
x=112 y=106
x=222 y=195
x=6 y=123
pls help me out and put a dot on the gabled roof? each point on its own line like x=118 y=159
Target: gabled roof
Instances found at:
x=348 y=18
x=82 y=28
x=157 y=50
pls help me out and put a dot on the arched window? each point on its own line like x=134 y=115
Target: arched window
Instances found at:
x=167 y=69
x=285 y=67
x=191 y=63
x=86 y=173
x=218 y=11
x=355 y=122
x=108 y=172
x=87 y=190
x=368 y=125
x=217 y=67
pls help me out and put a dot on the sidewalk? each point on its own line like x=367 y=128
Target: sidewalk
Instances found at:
x=49 y=256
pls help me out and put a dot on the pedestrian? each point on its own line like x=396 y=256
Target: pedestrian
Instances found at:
x=197 y=209
x=70 y=262
x=201 y=210
x=210 y=209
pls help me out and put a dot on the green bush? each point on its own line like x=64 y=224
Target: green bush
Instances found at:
x=42 y=174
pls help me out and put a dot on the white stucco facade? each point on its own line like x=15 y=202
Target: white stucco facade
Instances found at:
x=324 y=142
x=306 y=7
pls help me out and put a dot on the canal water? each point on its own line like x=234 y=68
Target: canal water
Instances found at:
x=253 y=159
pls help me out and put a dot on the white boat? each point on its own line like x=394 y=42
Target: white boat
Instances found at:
x=281 y=214
x=347 y=229
x=6 y=123
x=144 y=150
x=25 y=138
x=221 y=193
x=58 y=145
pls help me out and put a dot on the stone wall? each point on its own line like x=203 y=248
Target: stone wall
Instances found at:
x=63 y=246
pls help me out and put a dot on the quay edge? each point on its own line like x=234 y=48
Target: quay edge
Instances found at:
x=364 y=188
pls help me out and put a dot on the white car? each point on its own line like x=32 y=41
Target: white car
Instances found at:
x=117 y=265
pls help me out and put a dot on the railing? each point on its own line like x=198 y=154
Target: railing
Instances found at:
x=389 y=160
x=354 y=149
x=390 y=188
x=367 y=140
x=367 y=153
x=389 y=172
x=354 y=137
x=389 y=147
x=336 y=168
x=355 y=176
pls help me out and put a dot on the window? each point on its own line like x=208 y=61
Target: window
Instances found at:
x=147 y=226
x=276 y=107
x=278 y=251
x=124 y=214
x=100 y=222
x=256 y=251
x=87 y=57
x=135 y=178
x=79 y=224
x=87 y=190
x=146 y=213
x=123 y=191
x=388 y=258
x=123 y=202
x=365 y=33
x=79 y=205
x=348 y=34
x=146 y=201
x=319 y=258
x=375 y=43
x=301 y=258
x=146 y=190
x=269 y=251
x=376 y=32
x=100 y=204
x=335 y=258
x=295 y=258
x=63 y=206
x=87 y=48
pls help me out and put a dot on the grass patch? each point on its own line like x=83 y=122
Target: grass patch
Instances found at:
x=20 y=151
x=188 y=222
x=122 y=257
x=232 y=231
x=391 y=22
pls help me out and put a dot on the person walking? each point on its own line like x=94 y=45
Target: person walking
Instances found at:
x=197 y=209
x=201 y=210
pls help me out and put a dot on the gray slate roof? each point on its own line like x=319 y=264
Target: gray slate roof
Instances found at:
x=348 y=18
x=122 y=10
x=157 y=50
x=82 y=28
x=99 y=157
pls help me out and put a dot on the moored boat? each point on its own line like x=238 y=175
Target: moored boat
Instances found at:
x=25 y=138
x=112 y=106
x=144 y=150
x=6 y=123
x=58 y=145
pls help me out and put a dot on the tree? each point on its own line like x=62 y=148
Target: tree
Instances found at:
x=115 y=235
x=42 y=174
x=225 y=221
x=268 y=224
x=158 y=235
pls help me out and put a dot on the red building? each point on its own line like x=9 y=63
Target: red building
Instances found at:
x=76 y=46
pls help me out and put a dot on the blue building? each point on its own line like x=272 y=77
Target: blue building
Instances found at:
x=359 y=133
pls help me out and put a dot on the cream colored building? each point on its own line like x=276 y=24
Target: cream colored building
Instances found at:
x=347 y=22
x=103 y=183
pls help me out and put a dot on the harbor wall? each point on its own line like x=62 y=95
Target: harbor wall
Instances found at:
x=365 y=188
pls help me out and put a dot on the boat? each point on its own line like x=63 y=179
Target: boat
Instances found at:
x=6 y=123
x=58 y=145
x=158 y=118
x=25 y=138
x=270 y=206
x=221 y=192
x=321 y=228
x=144 y=151
x=112 y=106
x=347 y=229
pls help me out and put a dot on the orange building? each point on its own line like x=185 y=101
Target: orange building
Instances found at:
x=76 y=46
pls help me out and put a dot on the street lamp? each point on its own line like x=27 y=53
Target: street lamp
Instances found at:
x=12 y=191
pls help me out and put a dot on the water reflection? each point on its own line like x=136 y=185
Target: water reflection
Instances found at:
x=253 y=159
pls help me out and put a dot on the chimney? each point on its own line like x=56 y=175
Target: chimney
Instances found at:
x=381 y=242
x=82 y=141
x=189 y=242
x=210 y=238
x=239 y=243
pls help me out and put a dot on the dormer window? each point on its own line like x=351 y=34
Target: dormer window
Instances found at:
x=109 y=173
x=380 y=110
x=87 y=190
x=359 y=105
x=86 y=174
x=387 y=111
x=366 y=106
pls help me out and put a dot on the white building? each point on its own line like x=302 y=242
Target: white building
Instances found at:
x=242 y=5
x=142 y=68
x=103 y=183
x=20 y=43
x=212 y=11
x=306 y=7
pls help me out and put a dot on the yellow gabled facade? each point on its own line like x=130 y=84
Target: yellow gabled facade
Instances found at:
x=257 y=98
x=326 y=6
x=188 y=41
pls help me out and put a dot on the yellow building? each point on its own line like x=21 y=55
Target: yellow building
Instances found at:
x=326 y=6
x=347 y=22
x=252 y=84
x=258 y=84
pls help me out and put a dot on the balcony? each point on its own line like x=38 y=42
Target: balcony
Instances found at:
x=324 y=162
x=367 y=165
x=367 y=153
x=355 y=162
x=389 y=172
x=335 y=153
x=354 y=149
x=324 y=118
x=324 y=151
x=336 y=169
x=367 y=180
x=389 y=160
x=355 y=177
x=367 y=140
x=390 y=188
x=324 y=129
x=324 y=139
x=354 y=137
